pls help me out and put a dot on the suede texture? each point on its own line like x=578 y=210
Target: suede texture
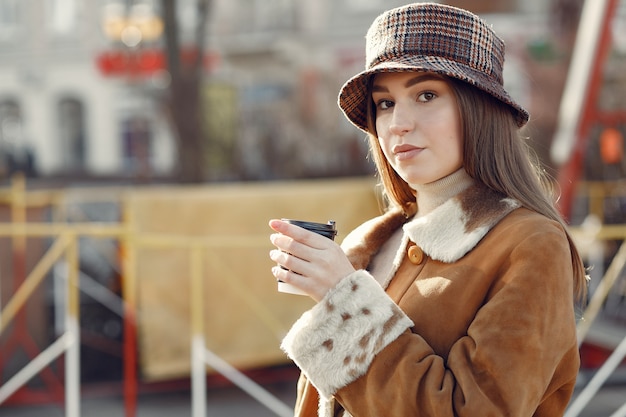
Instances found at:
x=487 y=331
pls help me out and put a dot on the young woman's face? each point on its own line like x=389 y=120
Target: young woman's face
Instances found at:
x=418 y=125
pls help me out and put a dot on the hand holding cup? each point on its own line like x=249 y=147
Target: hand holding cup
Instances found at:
x=309 y=261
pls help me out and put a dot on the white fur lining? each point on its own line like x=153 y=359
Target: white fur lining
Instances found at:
x=335 y=342
x=443 y=233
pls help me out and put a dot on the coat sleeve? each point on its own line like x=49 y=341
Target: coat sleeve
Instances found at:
x=357 y=346
x=337 y=339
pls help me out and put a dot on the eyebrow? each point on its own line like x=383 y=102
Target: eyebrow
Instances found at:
x=411 y=81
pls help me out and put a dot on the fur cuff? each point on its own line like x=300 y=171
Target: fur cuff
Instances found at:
x=335 y=342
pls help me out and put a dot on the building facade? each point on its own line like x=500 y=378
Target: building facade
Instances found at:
x=68 y=107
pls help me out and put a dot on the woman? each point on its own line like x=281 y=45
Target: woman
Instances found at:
x=459 y=300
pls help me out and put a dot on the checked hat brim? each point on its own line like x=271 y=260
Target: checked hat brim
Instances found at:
x=353 y=95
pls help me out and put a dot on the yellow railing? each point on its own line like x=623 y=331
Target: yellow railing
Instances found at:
x=199 y=249
x=597 y=192
x=66 y=242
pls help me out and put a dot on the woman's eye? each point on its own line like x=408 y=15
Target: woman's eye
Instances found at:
x=384 y=104
x=426 y=96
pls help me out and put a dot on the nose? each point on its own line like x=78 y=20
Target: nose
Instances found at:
x=401 y=121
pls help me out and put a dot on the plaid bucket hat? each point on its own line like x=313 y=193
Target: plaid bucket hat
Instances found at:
x=430 y=37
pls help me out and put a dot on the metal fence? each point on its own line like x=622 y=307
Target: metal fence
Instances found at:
x=65 y=248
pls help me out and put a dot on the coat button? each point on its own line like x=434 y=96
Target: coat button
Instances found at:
x=416 y=254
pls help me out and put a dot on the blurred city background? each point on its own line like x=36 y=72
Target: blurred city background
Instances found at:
x=144 y=144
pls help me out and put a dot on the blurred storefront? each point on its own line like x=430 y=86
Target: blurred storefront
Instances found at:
x=85 y=81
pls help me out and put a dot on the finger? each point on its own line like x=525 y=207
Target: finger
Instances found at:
x=285 y=243
x=299 y=234
x=296 y=255
x=290 y=262
x=288 y=244
x=299 y=281
x=277 y=225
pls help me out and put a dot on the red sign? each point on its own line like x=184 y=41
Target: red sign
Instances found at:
x=144 y=62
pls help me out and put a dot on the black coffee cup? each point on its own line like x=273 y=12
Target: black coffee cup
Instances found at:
x=325 y=229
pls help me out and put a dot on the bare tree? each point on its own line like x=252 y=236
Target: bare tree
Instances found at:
x=184 y=102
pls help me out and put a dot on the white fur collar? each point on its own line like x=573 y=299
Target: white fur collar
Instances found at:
x=445 y=234
x=454 y=228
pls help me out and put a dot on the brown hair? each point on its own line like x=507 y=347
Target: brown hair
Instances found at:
x=494 y=154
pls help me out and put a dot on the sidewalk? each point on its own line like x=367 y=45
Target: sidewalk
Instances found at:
x=229 y=401
x=221 y=402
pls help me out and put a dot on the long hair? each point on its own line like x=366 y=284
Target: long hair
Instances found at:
x=495 y=154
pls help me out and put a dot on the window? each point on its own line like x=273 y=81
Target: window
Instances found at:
x=71 y=119
x=62 y=16
x=9 y=18
x=137 y=144
x=15 y=154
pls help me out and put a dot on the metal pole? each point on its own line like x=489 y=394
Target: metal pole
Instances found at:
x=129 y=292
x=198 y=370
x=580 y=73
x=248 y=385
x=601 y=292
x=598 y=379
x=72 y=360
x=206 y=357
x=31 y=282
x=35 y=366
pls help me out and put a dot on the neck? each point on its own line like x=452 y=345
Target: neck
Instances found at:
x=432 y=195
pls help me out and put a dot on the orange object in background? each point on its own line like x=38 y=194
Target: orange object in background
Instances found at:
x=611 y=146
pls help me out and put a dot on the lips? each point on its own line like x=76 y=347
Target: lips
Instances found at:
x=405 y=151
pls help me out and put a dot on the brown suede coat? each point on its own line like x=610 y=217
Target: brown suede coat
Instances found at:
x=483 y=326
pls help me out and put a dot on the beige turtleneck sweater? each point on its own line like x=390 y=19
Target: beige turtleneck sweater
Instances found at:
x=432 y=195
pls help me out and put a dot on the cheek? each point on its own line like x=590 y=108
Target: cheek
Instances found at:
x=455 y=132
x=454 y=151
x=460 y=146
x=381 y=132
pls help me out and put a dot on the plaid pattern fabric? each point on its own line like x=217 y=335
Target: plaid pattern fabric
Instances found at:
x=430 y=37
